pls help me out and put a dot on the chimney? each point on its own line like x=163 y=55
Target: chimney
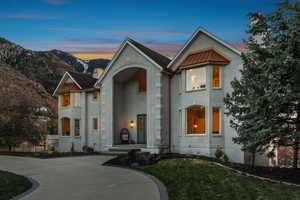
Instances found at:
x=97 y=72
x=253 y=21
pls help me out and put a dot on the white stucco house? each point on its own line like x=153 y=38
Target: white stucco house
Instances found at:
x=164 y=104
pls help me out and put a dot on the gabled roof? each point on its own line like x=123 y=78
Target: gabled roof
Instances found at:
x=212 y=36
x=83 y=81
x=157 y=59
x=155 y=56
x=204 y=57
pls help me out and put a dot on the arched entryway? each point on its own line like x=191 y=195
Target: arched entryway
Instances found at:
x=130 y=105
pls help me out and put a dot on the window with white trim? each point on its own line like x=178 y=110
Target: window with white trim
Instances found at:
x=216 y=120
x=196 y=79
x=196 y=120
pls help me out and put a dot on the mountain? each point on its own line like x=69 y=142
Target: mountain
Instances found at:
x=16 y=87
x=42 y=67
x=85 y=66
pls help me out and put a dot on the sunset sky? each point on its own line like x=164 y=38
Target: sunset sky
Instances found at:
x=95 y=28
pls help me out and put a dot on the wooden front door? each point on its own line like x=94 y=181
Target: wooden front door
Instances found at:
x=141 y=129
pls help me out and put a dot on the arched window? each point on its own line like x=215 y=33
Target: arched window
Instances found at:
x=65 y=126
x=196 y=120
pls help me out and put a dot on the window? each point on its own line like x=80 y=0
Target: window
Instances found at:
x=65 y=126
x=196 y=79
x=77 y=127
x=216 y=121
x=216 y=79
x=142 y=81
x=95 y=124
x=77 y=99
x=95 y=95
x=196 y=120
x=65 y=100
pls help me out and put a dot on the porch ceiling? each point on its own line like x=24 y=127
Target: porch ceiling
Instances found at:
x=126 y=75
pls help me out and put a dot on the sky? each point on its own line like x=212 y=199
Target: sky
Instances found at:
x=94 y=28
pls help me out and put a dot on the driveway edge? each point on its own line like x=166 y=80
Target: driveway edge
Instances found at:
x=35 y=185
x=163 y=193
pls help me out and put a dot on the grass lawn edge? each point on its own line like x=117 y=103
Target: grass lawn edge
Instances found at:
x=255 y=176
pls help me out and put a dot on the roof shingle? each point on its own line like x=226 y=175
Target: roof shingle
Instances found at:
x=161 y=60
x=84 y=80
x=204 y=57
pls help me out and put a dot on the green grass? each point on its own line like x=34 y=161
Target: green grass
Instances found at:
x=194 y=179
x=11 y=185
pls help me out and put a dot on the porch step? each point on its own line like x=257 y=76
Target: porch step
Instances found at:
x=125 y=148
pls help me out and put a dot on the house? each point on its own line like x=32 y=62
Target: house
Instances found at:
x=157 y=103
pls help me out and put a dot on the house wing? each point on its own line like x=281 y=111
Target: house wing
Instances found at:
x=191 y=39
x=82 y=81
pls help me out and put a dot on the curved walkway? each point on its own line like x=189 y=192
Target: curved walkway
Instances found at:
x=81 y=178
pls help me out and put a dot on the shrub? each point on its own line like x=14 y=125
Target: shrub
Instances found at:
x=219 y=153
x=87 y=149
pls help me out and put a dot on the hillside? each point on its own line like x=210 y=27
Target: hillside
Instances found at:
x=16 y=88
x=42 y=67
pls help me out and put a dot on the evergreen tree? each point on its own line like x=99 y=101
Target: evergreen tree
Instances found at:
x=265 y=103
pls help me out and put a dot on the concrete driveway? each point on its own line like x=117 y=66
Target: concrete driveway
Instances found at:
x=81 y=178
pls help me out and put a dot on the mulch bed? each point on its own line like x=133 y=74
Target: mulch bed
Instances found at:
x=289 y=175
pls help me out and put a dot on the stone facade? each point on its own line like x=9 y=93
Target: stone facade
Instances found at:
x=165 y=102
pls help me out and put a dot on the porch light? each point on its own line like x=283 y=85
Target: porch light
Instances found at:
x=131 y=124
x=195 y=126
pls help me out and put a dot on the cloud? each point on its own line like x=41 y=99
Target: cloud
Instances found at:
x=56 y=2
x=27 y=16
x=117 y=32
x=106 y=47
x=239 y=45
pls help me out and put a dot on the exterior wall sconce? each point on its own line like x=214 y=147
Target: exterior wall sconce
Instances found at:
x=195 y=126
x=131 y=124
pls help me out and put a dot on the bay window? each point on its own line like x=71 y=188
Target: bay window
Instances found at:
x=216 y=77
x=196 y=120
x=196 y=78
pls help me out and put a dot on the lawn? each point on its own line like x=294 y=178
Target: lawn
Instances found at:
x=11 y=185
x=194 y=179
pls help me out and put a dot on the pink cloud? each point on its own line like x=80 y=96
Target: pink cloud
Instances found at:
x=118 y=32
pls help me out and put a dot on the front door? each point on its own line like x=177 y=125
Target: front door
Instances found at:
x=141 y=128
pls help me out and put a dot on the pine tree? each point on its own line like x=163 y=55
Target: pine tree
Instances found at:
x=265 y=103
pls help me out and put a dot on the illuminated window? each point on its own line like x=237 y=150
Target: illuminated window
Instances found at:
x=65 y=126
x=95 y=124
x=196 y=120
x=77 y=127
x=95 y=95
x=142 y=81
x=216 y=82
x=216 y=121
x=65 y=100
x=196 y=78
